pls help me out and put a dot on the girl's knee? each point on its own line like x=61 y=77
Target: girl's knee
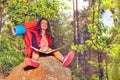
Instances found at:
x=35 y=55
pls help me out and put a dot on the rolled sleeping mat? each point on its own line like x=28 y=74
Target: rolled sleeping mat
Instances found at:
x=18 y=30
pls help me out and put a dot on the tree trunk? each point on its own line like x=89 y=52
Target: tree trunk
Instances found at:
x=100 y=66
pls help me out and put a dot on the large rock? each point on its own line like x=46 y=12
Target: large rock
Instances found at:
x=50 y=69
x=2 y=76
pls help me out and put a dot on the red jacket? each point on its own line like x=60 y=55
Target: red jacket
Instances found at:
x=31 y=28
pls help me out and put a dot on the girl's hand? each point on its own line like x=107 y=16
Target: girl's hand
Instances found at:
x=45 y=49
x=49 y=49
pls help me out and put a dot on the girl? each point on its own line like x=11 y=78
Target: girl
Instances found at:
x=42 y=40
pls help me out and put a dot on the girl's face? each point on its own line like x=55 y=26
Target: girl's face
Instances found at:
x=44 y=25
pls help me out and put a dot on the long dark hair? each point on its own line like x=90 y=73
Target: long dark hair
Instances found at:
x=48 y=31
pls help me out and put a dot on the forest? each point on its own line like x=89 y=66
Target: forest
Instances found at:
x=92 y=32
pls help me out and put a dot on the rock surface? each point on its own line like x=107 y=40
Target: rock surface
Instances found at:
x=2 y=76
x=50 y=69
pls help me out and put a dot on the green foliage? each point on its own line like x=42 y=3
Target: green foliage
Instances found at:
x=62 y=32
x=94 y=77
x=9 y=59
x=9 y=55
x=79 y=47
x=104 y=39
x=116 y=71
x=20 y=11
x=76 y=72
x=114 y=55
x=108 y=4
